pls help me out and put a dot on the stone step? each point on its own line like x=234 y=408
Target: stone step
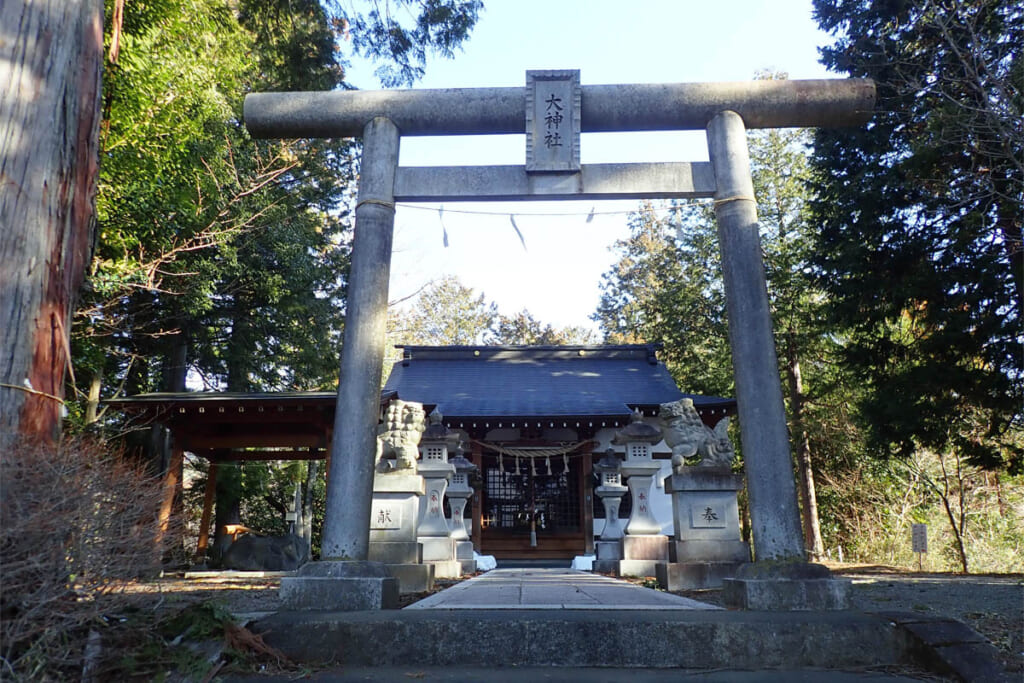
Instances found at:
x=483 y=674
x=703 y=640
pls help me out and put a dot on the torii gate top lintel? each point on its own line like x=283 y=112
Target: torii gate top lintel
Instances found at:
x=553 y=109
x=605 y=108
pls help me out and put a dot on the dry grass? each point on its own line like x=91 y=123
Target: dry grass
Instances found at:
x=78 y=523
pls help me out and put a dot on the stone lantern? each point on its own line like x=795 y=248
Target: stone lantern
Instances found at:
x=459 y=491
x=643 y=544
x=610 y=490
x=433 y=532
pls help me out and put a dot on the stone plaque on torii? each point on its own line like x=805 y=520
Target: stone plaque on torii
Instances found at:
x=553 y=110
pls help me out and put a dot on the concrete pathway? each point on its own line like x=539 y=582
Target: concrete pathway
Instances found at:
x=553 y=589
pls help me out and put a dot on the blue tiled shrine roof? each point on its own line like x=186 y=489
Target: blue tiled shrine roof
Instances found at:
x=536 y=381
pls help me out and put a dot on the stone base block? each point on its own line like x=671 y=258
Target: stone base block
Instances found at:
x=645 y=547
x=413 y=578
x=787 y=594
x=437 y=548
x=674 y=576
x=638 y=567
x=606 y=567
x=464 y=550
x=395 y=552
x=709 y=551
x=340 y=586
x=468 y=566
x=608 y=550
x=448 y=569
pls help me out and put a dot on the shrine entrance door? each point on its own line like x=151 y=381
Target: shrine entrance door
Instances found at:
x=531 y=507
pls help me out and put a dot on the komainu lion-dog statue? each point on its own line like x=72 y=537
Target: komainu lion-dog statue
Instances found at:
x=399 y=436
x=688 y=436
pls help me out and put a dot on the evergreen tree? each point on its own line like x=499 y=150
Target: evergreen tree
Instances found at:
x=523 y=329
x=919 y=245
x=217 y=253
x=445 y=313
x=666 y=287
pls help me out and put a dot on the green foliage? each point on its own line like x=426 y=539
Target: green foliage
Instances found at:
x=523 y=329
x=445 y=313
x=666 y=287
x=219 y=255
x=920 y=241
x=448 y=312
x=398 y=34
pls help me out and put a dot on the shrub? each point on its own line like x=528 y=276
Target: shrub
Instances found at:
x=78 y=523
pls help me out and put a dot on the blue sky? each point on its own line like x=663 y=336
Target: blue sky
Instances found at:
x=557 y=276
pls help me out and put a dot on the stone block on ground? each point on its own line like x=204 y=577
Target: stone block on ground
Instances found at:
x=606 y=567
x=638 y=568
x=464 y=550
x=709 y=551
x=448 y=569
x=786 y=586
x=608 y=550
x=413 y=578
x=340 y=586
x=675 y=576
x=437 y=548
x=395 y=552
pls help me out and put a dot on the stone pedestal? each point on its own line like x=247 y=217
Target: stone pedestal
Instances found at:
x=393 y=521
x=465 y=557
x=433 y=522
x=786 y=586
x=706 y=547
x=608 y=553
x=641 y=519
x=343 y=586
x=439 y=551
x=642 y=553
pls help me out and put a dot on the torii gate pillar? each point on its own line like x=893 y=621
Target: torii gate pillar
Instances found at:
x=780 y=578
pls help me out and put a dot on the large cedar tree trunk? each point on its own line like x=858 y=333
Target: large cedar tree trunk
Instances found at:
x=51 y=54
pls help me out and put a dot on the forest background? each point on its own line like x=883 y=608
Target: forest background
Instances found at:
x=893 y=255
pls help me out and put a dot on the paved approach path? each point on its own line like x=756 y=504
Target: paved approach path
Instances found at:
x=553 y=589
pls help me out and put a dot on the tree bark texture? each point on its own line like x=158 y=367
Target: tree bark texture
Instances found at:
x=808 y=496
x=51 y=54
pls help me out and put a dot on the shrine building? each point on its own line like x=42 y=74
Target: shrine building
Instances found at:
x=535 y=420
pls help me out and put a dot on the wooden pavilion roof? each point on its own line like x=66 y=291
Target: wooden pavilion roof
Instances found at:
x=290 y=425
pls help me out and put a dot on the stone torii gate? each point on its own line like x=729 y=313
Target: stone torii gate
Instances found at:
x=553 y=109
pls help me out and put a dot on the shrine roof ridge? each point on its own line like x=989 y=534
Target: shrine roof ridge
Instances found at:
x=531 y=351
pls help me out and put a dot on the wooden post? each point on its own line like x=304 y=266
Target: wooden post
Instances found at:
x=476 y=509
x=204 y=522
x=587 y=498
x=172 y=485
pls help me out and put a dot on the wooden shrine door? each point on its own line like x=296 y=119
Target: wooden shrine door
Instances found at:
x=532 y=510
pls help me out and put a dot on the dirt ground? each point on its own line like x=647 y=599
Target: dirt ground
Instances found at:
x=993 y=605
